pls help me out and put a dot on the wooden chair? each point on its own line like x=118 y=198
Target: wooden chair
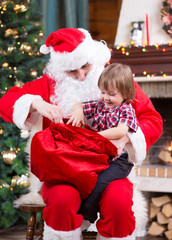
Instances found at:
x=36 y=232
x=32 y=232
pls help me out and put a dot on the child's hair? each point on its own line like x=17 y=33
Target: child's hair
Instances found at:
x=120 y=77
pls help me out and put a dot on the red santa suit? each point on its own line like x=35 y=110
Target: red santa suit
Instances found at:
x=62 y=220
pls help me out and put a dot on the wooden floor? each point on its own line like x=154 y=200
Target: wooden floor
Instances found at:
x=18 y=233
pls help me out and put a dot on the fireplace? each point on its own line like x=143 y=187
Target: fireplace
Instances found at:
x=152 y=69
x=160 y=152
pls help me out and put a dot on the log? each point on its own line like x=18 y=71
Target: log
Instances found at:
x=165 y=156
x=161 y=218
x=156 y=229
x=167 y=210
x=153 y=210
x=168 y=234
x=169 y=224
x=159 y=201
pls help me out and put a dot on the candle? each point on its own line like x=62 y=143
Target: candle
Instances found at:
x=147 y=29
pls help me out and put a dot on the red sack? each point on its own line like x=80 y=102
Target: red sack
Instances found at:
x=66 y=154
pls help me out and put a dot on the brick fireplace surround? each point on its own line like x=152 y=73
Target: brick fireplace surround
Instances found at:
x=152 y=175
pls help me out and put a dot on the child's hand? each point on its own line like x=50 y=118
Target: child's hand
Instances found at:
x=76 y=117
x=52 y=112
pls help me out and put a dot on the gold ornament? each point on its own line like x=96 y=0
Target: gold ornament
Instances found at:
x=11 y=48
x=12 y=32
x=26 y=47
x=18 y=83
x=20 y=8
x=5 y=65
x=14 y=181
x=23 y=181
x=33 y=73
x=3 y=184
x=5 y=2
x=9 y=157
x=1 y=131
x=41 y=34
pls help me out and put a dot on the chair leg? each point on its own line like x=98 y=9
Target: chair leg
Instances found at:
x=41 y=228
x=31 y=226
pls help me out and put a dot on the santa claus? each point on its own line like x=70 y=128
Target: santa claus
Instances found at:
x=71 y=75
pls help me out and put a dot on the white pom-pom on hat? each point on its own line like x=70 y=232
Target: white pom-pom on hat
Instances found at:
x=44 y=49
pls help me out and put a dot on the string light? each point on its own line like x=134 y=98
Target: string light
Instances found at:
x=125 y=50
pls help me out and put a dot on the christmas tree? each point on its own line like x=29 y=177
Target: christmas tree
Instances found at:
x=20 y=61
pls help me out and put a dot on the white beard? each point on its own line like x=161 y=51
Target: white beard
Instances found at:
x=69 y=91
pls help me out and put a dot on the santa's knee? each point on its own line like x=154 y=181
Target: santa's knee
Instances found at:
x=62 y=205
x=116 y=215
x=117 y=197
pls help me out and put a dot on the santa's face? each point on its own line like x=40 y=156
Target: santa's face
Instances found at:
x=74 y=86
x=81 y=73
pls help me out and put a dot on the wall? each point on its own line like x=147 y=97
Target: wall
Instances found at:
x=135 y=10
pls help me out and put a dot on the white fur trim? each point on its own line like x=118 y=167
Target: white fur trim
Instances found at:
x=140 y=210
x=137 y=148
x=44 y=49
x=29 y=198
x=89 y=51
x=51 y=234
x=129 y=237
x=21 y=111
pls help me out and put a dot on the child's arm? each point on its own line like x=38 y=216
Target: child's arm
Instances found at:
x=77 y=115
x=115 y=132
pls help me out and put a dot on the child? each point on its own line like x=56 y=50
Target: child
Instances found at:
x=113 y=116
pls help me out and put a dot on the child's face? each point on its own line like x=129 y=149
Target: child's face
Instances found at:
x=111 y=98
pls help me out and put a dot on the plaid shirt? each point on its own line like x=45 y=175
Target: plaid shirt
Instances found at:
x=104 y=118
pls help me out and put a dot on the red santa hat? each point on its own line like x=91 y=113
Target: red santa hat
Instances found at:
x=71 y=48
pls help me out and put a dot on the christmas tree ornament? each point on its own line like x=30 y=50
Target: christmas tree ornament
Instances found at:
x=11 y=48
x=14 y=180
x=8 y=157
x=20 y=8
x=1 y=131
x=5 y=2
x=23 y=181
x=33 y=73
x=41 y=34
x=3 y=184
x=18 y=83
x=11 y=31
x=5 y=65
x=26 y=47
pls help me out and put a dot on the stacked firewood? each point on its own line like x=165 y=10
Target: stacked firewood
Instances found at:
x=160 y=217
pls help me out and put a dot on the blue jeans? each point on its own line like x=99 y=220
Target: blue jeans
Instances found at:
x=120 y=168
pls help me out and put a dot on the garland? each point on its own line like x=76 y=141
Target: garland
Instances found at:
x=166 y=16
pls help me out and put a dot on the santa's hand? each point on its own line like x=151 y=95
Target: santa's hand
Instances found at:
x=120 y=144
x=52 y=112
